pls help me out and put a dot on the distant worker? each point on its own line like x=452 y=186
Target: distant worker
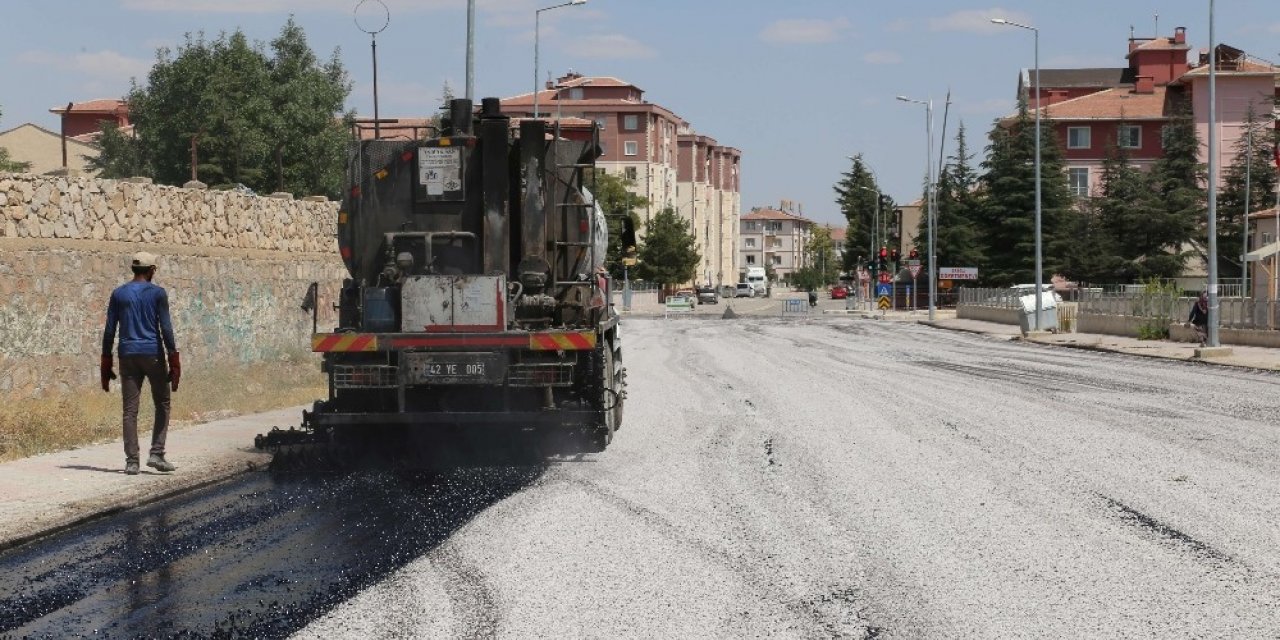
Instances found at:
x=1199 y=318
x=141 y=310
x=813 y=297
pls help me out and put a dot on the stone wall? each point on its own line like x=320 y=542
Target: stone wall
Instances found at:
x=236 y=267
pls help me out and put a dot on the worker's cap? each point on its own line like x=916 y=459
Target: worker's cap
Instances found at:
x=143 y=259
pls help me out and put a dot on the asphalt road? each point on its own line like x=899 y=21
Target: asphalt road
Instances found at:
x=800 y=479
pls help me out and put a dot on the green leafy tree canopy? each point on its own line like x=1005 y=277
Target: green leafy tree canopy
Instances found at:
x=268 y=119
x=668 y=253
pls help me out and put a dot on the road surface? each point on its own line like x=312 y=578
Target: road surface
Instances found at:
x=825 y=477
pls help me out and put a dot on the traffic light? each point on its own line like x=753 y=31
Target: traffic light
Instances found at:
x=914 y=255
x=893 y=256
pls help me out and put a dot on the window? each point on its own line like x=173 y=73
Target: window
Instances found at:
x=631 y=123
x=777 y=259
x=777 y=243
x=629 y=173
x=1129 y=136
x=751 y=243
x=774 y=226
x=1078 y=181
x=630 y=148
x=1078 y=137
x=751 y=259
x=751 y=225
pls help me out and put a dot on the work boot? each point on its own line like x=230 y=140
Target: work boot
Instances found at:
x=131 y=467
x=157 y=462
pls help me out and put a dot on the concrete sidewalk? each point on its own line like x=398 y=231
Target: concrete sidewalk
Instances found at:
x=1241 y=356
x=43 y=494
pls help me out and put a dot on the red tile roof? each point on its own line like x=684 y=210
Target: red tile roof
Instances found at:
x=774 y=214
x=101 y=105
x=1111 y=104
x=1161 y=44
x=1241 y=68
x=596 y=81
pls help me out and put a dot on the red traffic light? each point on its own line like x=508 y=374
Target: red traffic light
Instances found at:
x=894 y=255
x=914 y=254
x=884 y=253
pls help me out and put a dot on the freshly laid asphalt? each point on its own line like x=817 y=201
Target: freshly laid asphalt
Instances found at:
x=822 y=476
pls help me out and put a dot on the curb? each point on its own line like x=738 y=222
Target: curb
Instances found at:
x=1102 y=349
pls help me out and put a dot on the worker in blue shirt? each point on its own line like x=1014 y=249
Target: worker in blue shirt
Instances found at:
x=141 y=311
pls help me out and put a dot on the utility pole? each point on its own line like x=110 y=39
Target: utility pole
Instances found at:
x=1213 y=185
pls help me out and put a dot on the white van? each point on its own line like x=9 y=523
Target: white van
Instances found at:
x=758 y=280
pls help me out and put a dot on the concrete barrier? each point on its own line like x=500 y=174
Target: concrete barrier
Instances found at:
x=988 y=314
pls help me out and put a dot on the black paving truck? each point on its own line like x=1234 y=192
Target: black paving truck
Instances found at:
x=478 y=301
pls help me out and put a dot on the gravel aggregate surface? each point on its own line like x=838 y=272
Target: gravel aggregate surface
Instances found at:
x=822 y=477
x=849 y=478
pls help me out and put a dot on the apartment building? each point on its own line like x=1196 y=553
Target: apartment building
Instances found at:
x=668 y=162
x=774 y=238
x=1098 y=108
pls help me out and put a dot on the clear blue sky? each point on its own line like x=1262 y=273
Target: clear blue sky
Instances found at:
x=798 y=85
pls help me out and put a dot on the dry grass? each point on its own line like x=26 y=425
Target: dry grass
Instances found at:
x=57 y=422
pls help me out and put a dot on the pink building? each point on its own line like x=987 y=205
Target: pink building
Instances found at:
x=1095 y=109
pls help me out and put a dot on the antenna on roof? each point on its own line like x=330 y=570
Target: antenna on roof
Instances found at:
x=1157 y=24
x=1130 y=32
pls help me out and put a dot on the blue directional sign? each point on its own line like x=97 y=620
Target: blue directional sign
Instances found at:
x=882 y=290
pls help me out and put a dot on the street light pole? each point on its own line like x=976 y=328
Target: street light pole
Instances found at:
x=537 y=23
x=930 y=202
x=1212 y=337
x=1039 y=242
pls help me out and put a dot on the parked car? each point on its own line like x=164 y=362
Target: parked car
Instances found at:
x=839 y=292
x=744 y=290
x=708 y=295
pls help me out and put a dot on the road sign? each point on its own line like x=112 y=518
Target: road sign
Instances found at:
x=882 y=290
x=886 y=277
x=914 y=267
x=957 y=273
x=884 y=303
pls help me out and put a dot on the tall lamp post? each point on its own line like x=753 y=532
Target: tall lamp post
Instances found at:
x=537 y=23
x=1039 y=249
x=1212 y=337
x=372 y=17
x=932 y=206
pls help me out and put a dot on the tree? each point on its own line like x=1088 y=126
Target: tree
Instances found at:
x=856 y=194
x=1006 y=221
x=121 y=155
x=11 y=165
x=1179 y=180
x=820 y=267
x=617 y=201
x=668 y=253
x=268 y=122
x=309 y=142
x=958 y=203
x=1253 y=164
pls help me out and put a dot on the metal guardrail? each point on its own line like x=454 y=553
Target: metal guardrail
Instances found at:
x=1233 y=312
x=990 y=298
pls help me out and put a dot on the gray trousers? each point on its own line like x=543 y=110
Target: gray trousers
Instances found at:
x=133 y=370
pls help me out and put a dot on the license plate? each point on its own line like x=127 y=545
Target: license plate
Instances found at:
x=454 y=368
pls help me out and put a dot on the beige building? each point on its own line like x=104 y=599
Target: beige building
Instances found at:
x=774 y=238
x=658 y=151
x=42 y=149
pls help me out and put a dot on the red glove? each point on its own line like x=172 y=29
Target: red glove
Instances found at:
x=107 y=374
x=175 y=370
